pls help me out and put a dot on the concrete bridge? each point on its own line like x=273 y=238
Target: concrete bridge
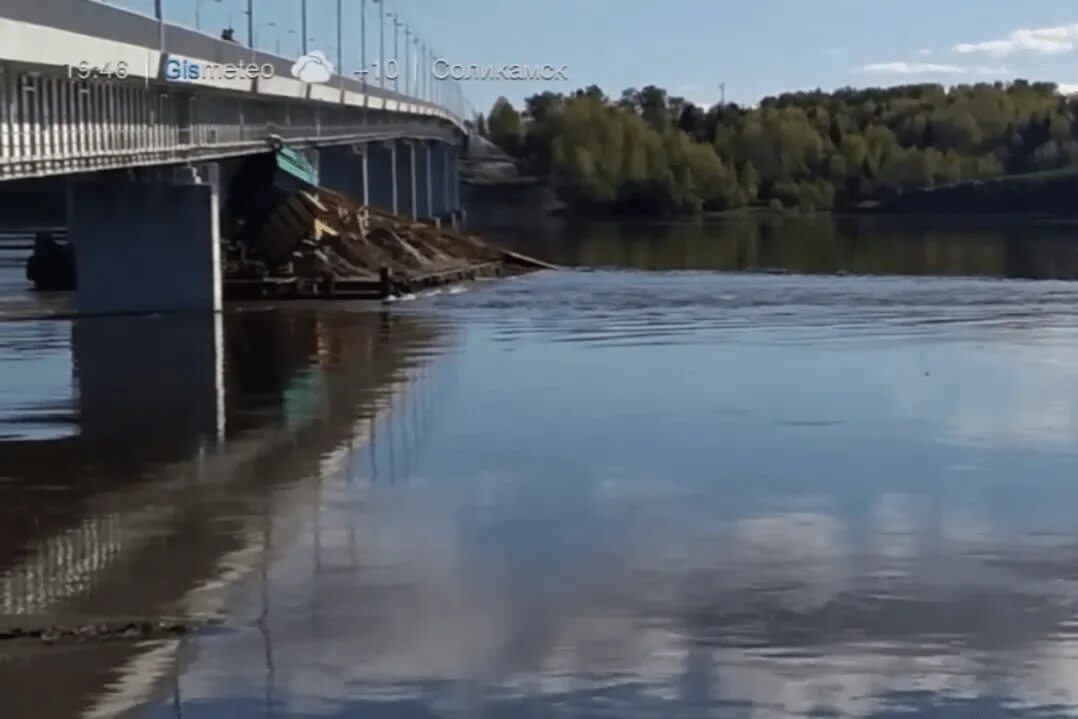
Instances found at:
x=86 y=94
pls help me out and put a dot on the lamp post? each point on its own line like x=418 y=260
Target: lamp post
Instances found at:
x=407 y=61
x=340 y=38
x=422 y=78
x=363 y=42
x=396 y=51
x=303 y=25
x=381 y=43
x=293 y=32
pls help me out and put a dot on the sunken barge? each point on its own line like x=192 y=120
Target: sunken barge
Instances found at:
x=288 y=237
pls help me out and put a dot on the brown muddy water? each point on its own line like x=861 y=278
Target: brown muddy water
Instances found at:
x=666 y=486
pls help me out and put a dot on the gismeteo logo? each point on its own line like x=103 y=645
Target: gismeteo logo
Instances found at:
x=184 y=70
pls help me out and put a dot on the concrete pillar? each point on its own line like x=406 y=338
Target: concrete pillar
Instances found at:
x=430 y=178
x=405 y=178
x=147 y=246
x=342 y=170
x=394 y=183
x=380 y=175
x=454 y=178
x=440 y=180
x=422 y=164
x=414 y=209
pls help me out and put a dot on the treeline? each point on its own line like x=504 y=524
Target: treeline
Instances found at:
x=649 y=151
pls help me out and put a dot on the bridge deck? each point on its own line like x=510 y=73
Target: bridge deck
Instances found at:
x=52 y=122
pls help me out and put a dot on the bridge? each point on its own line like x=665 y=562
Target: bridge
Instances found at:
x=91 y=93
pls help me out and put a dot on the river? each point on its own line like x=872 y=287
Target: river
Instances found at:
x=739 y=468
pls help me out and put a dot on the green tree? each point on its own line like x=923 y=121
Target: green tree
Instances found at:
x=505 y=126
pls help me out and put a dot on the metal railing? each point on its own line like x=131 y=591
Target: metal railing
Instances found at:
x=51 y=125
x=402 y=62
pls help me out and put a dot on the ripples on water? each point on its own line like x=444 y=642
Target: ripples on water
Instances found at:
x=685 y=307
x=600 y=494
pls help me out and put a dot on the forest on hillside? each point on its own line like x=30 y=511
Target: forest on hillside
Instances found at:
x=650 y=151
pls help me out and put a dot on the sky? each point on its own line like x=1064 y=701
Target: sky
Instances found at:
x=689 y=47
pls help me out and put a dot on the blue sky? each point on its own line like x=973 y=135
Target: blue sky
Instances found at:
x=690 y=46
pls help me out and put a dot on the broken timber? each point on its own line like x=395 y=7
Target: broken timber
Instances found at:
x=289 y=238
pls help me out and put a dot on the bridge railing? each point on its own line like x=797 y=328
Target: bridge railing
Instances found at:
x=52 y=125
x=63 y=33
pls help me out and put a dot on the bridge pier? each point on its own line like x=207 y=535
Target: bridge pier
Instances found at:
x=440 y=180
x=147 y=242
x=454 y=179
x=422 y=163
x=382 y=170
x=405 y=178
x=342 y=169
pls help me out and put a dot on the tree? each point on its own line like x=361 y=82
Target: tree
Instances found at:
x=649 y=151
x=505 y=126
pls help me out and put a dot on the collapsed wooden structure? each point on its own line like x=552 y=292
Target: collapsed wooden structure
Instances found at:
x=289 y=237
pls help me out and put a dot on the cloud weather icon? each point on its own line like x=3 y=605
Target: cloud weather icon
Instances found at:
x=313 y=67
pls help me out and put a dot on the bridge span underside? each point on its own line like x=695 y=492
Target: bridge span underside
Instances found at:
x=145 y=159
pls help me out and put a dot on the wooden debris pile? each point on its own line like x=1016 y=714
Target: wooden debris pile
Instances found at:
x=324 y=236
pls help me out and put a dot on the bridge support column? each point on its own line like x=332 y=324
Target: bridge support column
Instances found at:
x=342 y=169
x=422 y=179
x=381 y=169
x=405 y=178
x=440 y=180
x=147 y=245
x=454 y=178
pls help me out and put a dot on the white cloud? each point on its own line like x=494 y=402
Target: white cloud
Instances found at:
x=834 y=51
x=911 y=68
x=924 y=52
x=314 y=67
x=1044 y=41
x=1068 y=88
x=988 y=70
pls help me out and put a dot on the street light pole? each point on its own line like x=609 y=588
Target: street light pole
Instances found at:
x=381 y=43
x=396 y=52
x=407 y=61
x=363 y=42
x=340 y=38
x=303 y=24
x=423 y=75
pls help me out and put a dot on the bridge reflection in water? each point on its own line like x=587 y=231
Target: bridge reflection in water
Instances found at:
x=200 y=443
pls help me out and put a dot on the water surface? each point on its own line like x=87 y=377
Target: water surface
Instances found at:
x=621 y=492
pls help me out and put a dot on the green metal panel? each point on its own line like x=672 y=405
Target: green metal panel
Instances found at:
x=296 y=165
